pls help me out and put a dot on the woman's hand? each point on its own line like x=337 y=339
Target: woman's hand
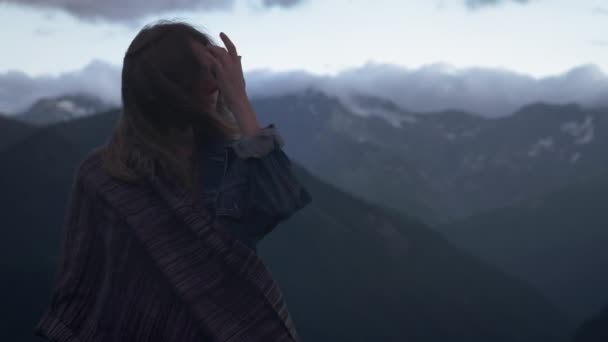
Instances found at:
x=228 y=70
x=231 y=81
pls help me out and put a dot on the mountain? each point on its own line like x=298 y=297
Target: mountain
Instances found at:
x=440 y=166
x=350 y=270
x=11 y=130
x=318 y=130
x=62 y=108
x=556 y=241
x=594 y=329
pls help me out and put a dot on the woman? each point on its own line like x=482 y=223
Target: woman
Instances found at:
x=163 y=219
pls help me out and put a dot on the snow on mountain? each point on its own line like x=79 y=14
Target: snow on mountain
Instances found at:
x=63 y=108
x=72 y=108
x=539 y=146
x=366 y=106
x=582 y=132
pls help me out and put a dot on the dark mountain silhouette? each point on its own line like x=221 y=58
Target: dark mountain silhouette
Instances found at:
x=556 y=241
x=456 y=164
x=11 y=130
x=350 y=270
x=594 y=329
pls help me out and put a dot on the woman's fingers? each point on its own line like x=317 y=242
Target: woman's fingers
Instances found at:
x=229 y=70
x=229 y=45
x=216 y=65
x=220 y=54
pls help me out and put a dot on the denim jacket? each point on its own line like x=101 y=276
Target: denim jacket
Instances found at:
x=249 y=184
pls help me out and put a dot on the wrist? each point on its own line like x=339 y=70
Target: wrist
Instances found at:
x=238 y=100
x=240 y=107
x=245 y=117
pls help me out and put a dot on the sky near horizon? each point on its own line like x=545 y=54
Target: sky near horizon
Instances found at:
x=538 y=38
x=485 y=56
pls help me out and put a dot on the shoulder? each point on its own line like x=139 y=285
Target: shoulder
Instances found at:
x=86 y=213
x=89 y=172
x=92 y=179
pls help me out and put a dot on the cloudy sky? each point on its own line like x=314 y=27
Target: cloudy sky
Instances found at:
x=487 y=56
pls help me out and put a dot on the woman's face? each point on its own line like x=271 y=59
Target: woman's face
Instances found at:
x=208 y=87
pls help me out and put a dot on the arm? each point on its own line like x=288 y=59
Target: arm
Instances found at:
x=274 y=189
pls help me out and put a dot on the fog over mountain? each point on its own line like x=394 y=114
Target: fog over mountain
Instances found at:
x=435 y=87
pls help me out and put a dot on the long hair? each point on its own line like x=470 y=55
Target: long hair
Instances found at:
x=161 y=83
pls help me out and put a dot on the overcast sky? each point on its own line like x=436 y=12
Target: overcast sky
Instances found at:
x=509 y=43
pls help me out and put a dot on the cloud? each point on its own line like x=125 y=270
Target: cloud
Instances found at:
x=599 y=43
x=123 y=10
x=485 y=91
x=18 y=90
x=43 y=31
x=130 y=10
x=281 y=3
x=475 y=4
x=599 y=11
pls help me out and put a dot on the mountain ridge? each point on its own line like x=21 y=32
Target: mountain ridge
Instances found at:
x=416 y=284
